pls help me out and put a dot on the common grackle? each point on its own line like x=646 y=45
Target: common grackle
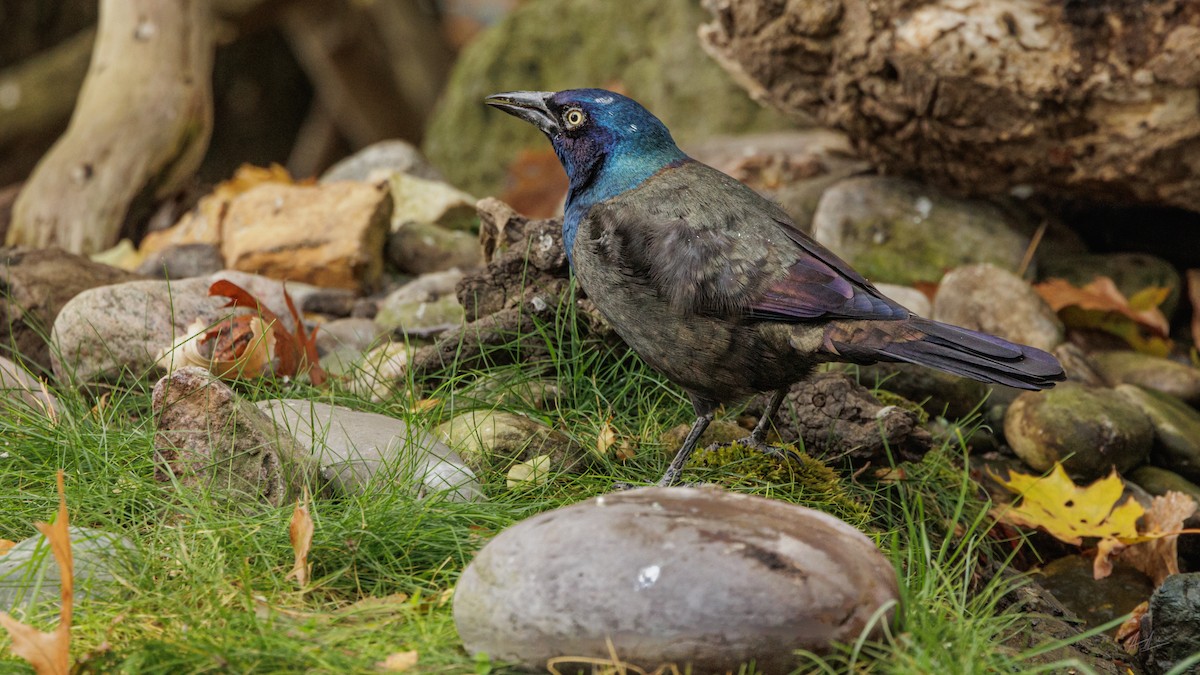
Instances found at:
x=715 y=286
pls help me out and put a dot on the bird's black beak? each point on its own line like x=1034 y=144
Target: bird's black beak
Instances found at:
x=529 y=106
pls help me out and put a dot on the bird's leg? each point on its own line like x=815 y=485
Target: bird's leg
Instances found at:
x=689 y=444
x=758 y=437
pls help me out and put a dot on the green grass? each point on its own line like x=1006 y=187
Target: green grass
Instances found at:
x=207 y=589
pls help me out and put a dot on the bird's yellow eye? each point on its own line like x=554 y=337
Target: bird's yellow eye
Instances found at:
x=574 y=117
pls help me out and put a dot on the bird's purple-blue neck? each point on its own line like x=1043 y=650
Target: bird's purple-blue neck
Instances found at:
x=618 y=147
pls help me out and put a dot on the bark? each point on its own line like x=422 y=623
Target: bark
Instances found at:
x=139 y=130
x=1075 y=98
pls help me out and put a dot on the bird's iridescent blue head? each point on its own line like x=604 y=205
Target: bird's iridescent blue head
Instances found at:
x=604 y=140
x=608 y=143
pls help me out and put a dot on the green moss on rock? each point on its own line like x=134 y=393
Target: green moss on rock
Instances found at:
x=807 y=479
x=648 y=49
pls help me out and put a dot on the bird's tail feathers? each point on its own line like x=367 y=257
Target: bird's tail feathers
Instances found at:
x=960 y=351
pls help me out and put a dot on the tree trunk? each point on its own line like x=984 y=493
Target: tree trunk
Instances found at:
x=139 y=130
x=1092 y=99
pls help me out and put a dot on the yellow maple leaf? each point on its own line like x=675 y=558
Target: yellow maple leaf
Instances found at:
x=1070 y=512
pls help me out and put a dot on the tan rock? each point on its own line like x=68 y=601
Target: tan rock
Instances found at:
x=419 y=200
x=328 y=235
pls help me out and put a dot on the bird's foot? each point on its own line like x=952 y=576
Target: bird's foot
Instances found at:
x=755 y=443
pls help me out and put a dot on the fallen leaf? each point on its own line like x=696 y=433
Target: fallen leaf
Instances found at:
x=5 y=545
x=300 y=532
x=625 y=451
x=399 y=661
x=1069 y=512
x=425 y=404
x=606 y=438
x=50 y=653
x=1129 y=634
x=1101 y=305
x=1159 y=558
x=241 y=347
x=297 y=352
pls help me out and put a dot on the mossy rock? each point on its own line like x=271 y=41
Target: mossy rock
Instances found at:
x=793 y=472
x=647 y=49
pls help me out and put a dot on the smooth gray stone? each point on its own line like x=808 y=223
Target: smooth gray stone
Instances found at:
x=359 y=451
x=673 y=575
x=29 y=574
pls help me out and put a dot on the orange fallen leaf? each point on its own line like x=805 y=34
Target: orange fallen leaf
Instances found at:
x=400 y=661
x=5 y=545
x=297 y=352
x=50 y=653
x=1101 y=305
x=300 y=532
x=1129 y=634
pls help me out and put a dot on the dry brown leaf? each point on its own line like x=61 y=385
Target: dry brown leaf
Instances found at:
x=1193 y=284
x=425 y=404
x=1159 y=558
x=399 y=661
x=1129 y=634
x=5 y=545
x=300 y=532
x=606 y=438
x=50 y=653
x=1102 y=295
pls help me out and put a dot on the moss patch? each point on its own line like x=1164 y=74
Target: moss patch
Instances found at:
x=794 y=474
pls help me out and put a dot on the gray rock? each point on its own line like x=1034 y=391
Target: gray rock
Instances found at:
x=36 y=285
x=915 y=301
x=673 y=575
x=495 y=439
x=420 y=248
x=107 y=332
x=21 y=391
x=989 y=299
x=29 y=574
x=357 y=333
x=423 y=307
x=1078 y=365
x=1089 y=430
x=360 y=451
x=209 y=439
x=1131 y=272
x=652 y=45
x=895 y=231
x=1176 y=430
x=1170 y=631
x=1157 y=481
x=183 y=261
x=379 y=161
x=1151 y=372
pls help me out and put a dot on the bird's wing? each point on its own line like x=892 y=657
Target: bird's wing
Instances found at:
x=714 y=247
